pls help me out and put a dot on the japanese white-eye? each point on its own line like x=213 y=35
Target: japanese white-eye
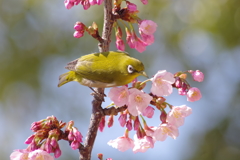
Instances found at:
x=102 y=70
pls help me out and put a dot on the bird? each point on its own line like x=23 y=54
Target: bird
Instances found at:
x=103 y=70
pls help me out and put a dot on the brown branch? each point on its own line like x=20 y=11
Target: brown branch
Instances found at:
x=97 y=111
x=113 y=110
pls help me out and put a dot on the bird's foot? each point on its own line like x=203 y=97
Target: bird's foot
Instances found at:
x=99 y=96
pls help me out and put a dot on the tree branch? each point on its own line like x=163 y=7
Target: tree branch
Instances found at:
x=97 y=111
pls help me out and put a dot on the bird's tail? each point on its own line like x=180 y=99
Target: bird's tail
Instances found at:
x=66 y=77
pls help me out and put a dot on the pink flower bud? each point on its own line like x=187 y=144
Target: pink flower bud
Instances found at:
x=120 y=44
x=100 y=156
x=163 y=117
x=29 y=139
x=130 y=39
x=78 y=34
x=86 y=4
x=144 y=2
x=47 y=146
x=178 y=82
x=99 y=2
x=122 y=119
x=68 y=4
x=75 y=145
x=136 y=124
x=79 y=26
x=131 y=6
x=110 y=121
x=102 y=124
x=57 y=152
x=194 y=94
x=197 y=75
x=78 y=136
x=92 y=2
x=148 y=112
x=70 y=136
x=54 y=142
x=129 y=125
x=76 y=2
x=182 y=92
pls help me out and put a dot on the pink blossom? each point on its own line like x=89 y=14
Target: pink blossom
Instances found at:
x=138 y=101
x=193 y=94
x=162 y=83
x=23 y=154
x=197 y=75
x=177 y=114
x=147 y=39
x=119 y=95
x=140 y=45
x=150 y=131
x=19 y=154
x=120 y=44
x=122 y=143
x=147 y=27
x=142 y=144
x=78 y=34
x=148 y=112
x=144 y=1
x=165 y=130
x=131 y=6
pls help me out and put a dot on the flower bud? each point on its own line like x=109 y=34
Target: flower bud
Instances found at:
x=122 y=119
x=136 y=124
x=100 y=156
x=57 y=152
x=75 y=145
x=79 y=26
x=197 y=75
x=78 y=34
x=110 y=121
x=129 y=124
x=148 y=112
x=102 y=124
x=194 y=94
x=163 y=117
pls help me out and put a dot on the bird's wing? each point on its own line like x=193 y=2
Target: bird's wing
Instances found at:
x=71 y=65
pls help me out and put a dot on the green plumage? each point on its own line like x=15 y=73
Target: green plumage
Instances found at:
x=106 y=69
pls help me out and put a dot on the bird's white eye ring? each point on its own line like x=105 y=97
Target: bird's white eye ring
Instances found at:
x=130 y=69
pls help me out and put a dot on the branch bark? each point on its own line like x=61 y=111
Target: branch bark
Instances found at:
x=97 y=111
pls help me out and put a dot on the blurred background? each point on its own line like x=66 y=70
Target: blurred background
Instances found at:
x=36 y=43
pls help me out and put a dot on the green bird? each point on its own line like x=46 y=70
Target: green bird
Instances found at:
x=103 y=70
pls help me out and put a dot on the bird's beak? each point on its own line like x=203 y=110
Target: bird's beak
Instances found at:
x=144 y=74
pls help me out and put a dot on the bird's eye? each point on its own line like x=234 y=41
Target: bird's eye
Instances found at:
x=130 y=69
